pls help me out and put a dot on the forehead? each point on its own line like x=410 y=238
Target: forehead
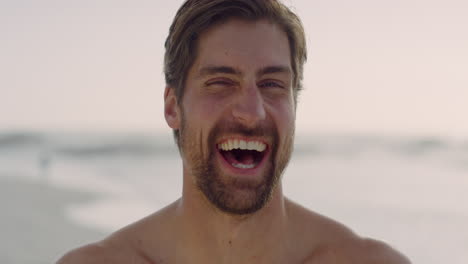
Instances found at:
x=245 y=45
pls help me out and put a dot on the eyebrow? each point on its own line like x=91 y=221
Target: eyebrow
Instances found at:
x=274 y=69
x=211 y=70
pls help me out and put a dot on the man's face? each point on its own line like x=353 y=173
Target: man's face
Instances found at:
x=237 y=115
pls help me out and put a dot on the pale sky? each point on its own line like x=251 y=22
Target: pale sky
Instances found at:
x=375 y=66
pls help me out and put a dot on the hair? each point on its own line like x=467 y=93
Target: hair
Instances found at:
x=196 y=16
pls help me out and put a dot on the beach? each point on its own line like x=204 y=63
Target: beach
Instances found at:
x=408 y=192
x=33 y=225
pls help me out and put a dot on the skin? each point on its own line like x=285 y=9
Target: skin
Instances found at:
x=192 y=229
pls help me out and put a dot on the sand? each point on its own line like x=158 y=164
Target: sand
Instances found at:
x=33 y=226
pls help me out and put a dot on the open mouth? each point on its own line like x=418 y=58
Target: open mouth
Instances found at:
x=242 y=154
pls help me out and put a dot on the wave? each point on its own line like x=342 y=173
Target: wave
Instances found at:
x=20 y=139
x=91 y=145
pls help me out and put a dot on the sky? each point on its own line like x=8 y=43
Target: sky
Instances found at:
x=374 y=66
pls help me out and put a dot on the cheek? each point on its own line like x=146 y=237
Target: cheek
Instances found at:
x=286 y=128
x=204 y=107
x=284 y=114
x=200 y=116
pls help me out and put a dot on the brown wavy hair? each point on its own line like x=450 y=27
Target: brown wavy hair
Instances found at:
x=196 y=16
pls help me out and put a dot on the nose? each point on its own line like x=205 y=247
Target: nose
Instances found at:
x=249 y=106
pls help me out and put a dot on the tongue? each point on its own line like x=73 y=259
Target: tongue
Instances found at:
x=244 y=157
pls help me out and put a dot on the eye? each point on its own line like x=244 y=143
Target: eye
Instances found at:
x=271 y=84
x=220 y=82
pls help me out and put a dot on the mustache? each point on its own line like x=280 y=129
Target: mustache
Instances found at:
x=264 y=129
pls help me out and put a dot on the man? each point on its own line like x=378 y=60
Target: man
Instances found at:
x=233 y=72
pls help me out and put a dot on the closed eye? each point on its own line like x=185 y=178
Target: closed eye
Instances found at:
x=220 y=82
x=271 y=84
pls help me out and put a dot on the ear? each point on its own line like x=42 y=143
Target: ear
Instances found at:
x=171 y=108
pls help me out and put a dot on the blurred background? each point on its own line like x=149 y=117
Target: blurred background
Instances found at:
x=382 y=137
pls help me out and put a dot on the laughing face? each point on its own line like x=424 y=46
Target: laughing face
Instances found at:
x=236 y=119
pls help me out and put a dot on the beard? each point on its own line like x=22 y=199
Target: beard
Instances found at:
x=226 y=192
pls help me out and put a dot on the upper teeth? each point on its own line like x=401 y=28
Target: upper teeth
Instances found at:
x=242 y=144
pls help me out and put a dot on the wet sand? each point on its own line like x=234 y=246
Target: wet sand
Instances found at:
x=33 y=223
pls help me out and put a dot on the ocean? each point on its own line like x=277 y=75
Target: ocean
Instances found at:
x=60 y=190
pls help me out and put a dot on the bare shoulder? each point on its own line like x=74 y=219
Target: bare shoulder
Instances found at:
x=99 y=252
x=141 y=242
x=328 y=241
x=109 y=251
x=383 y=252
x=319 y=228
x=356 y=251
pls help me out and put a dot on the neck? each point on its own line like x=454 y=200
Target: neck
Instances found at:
x=226 y=236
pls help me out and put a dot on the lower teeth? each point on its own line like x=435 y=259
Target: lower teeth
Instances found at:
x=243 y=166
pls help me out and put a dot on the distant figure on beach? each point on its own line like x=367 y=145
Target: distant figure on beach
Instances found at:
x=233 y=73
x=44 y=164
